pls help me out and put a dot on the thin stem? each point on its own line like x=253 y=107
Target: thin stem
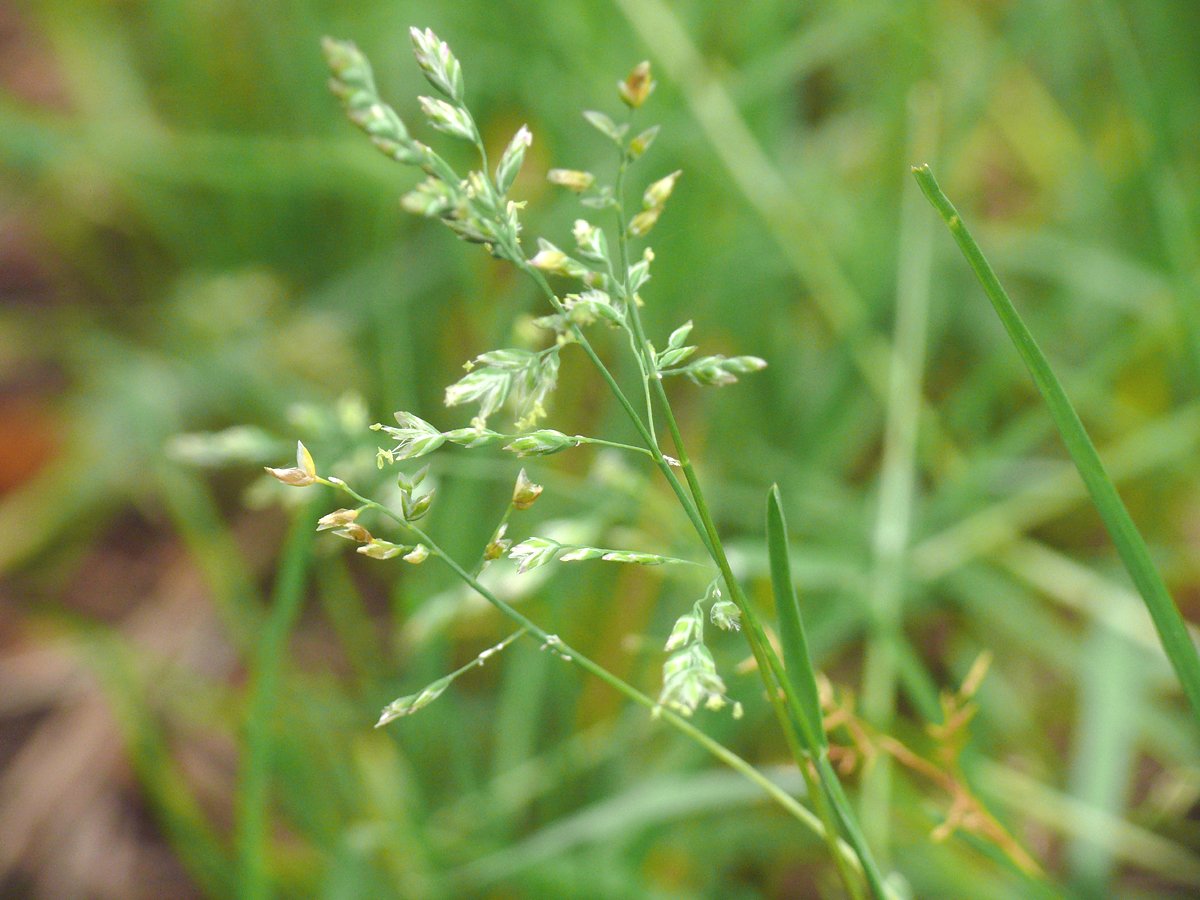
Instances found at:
x=600 y=442
x=637 y=335
x=478 y=661
x=770 y=667
x=483 y=157
x=783 y=700
x=701 y=520
x=1130 y=546
x=796 y=728
x=695 y=503
x=483 y=557
x=581 y=439
x=569 y=654
x=661 y=461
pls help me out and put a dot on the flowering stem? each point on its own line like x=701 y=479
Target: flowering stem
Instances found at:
x=696 y=509
x=786 y=707
x=695 y=504
x=796 y=729
x=638 y=336
x=770 y=667
x=569 y=654
x=660 y=460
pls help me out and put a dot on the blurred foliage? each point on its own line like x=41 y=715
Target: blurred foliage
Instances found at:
x=192 y=238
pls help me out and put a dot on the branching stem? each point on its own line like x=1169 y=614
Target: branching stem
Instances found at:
x=569 y=654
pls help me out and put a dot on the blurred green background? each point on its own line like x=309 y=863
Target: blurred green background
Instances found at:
x=192 y=238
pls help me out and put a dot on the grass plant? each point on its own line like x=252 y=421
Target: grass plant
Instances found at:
x=201 y=263
x=477 y=208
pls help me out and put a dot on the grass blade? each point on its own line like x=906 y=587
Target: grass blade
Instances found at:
x=1132 y=548
x=253 y=806
x=798 y=667
x=797 y=662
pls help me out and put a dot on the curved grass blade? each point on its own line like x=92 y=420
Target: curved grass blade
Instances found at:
x=1132 y=548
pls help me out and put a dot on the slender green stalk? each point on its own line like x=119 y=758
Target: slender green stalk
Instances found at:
x=693 y=501
x=637 y=335
x=1132 y=548
x=484 y=215
x=648 y=439
x=581 y=439
x=600 y=442
x=800 y=727
x=770 y=666
x=254 y=789
x=569 y=654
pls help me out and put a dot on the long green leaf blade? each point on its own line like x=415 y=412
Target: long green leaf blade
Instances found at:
x=797 y=662
x=1132 y=548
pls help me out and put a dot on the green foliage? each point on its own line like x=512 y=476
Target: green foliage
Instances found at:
x=1172 y=631
x=194 y=240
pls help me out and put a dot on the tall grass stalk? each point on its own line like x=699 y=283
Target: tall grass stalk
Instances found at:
x=477 y=208
x=569 y=654
x=1172 y=631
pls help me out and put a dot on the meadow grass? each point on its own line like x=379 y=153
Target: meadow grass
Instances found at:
x=220 y=249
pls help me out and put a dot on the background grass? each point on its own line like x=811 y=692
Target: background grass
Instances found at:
x=192 y=238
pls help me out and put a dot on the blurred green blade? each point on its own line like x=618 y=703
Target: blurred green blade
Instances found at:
x=1132 y=548
x=796 y=660
x=253 y=829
